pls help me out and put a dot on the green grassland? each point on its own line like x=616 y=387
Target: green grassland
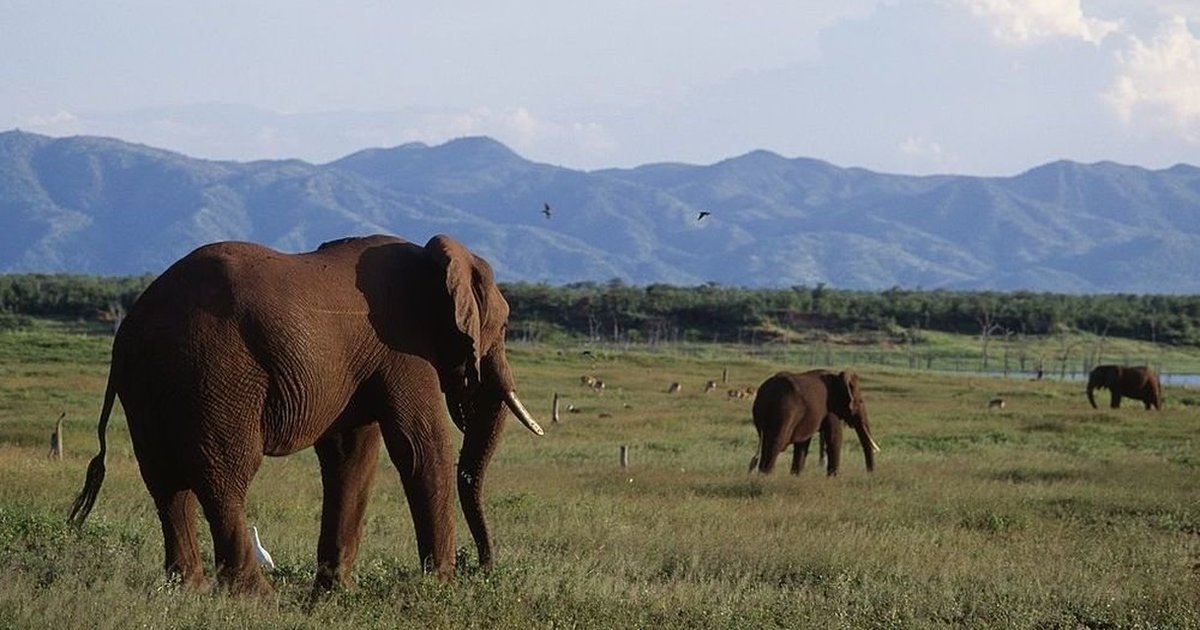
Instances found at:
x=1046 y=514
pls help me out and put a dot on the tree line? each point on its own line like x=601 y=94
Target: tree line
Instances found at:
x=657 y=313
x=67 y=296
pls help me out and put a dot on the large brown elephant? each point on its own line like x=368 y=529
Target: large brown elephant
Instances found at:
x=790 y=408
x=238 y=351
x=1139 y=383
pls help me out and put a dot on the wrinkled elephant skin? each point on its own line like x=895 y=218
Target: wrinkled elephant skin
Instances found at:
x=238 y=351
x=1139 y=383
x=790 y=408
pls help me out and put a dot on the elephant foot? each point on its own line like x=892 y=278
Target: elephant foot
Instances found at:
x=250 y=583
x=329 y=580
x=191 y=580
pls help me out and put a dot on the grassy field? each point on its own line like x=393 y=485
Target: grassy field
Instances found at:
x=1047 y=514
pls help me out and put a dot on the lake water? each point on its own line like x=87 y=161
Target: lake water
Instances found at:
x=1174 y=379
x=1187 y=380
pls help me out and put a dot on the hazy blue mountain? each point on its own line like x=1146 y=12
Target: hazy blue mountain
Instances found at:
x=96 y=205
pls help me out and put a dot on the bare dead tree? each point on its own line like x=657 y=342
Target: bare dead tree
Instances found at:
x=987 y=328
x=1065 y=346
x=1099 y=356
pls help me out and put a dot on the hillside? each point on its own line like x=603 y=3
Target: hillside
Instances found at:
x=103 y=206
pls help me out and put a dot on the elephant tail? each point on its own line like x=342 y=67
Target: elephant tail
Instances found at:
x=95 y=470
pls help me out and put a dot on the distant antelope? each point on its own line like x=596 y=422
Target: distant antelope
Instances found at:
x=674 y=388
x=747 y=392
x=587 y=380
x=709 y=386
x=996 y=403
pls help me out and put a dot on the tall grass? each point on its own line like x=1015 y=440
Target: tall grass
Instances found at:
x=1044 y=514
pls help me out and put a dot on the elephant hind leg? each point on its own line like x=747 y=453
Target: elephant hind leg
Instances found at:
x=799 y=454
x=348 y=463
x=237 y=567
x=221 y=488
x=177 y=514
x=173 y=499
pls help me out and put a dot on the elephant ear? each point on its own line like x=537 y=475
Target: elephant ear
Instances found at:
x=463 y=287
x=849 y=382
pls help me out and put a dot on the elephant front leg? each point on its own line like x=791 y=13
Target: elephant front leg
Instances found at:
x=1115 y=401
x=348 y=463
x=831 y=435
x=427 y=473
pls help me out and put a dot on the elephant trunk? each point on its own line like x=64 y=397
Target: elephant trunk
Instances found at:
x=1090 y=388
x=479 y=444
x=869 y=447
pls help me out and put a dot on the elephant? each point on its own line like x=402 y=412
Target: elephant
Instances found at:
x=790 y=408
x=1139 y=383
x=238 y=351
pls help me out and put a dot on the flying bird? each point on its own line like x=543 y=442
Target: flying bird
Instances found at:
x=546 y=210
x=260 y=552
x=703 y=213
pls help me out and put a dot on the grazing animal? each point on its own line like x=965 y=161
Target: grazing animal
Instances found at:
x=599 y=384
x=260 y=553
x=996 y=403
x=709 y=386
x=587 y=380
x=1139 y=383
x=674 y=388
x=238 y=351
x=791 y=408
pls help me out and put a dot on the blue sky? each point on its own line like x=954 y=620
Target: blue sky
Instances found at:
x=909 y=86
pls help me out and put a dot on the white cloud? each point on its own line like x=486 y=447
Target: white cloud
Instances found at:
x=923 y=154
x=1159 y=81
x=1029 y=21
x=48 y=123
x=916 y=146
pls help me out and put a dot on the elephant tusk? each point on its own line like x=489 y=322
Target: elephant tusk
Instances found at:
x=514 y=404
x=874 y=446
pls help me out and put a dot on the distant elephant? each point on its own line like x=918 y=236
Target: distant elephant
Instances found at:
x=238 y=351
x=790 y=408
x=1139 y=383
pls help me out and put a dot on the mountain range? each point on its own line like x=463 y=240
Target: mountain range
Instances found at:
x=103 y=206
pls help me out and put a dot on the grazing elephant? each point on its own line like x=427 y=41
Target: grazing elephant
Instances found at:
x=1140 y=383
x=790 y=408
x=238 y=351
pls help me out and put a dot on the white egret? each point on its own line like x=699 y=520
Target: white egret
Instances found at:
x=260 y=552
